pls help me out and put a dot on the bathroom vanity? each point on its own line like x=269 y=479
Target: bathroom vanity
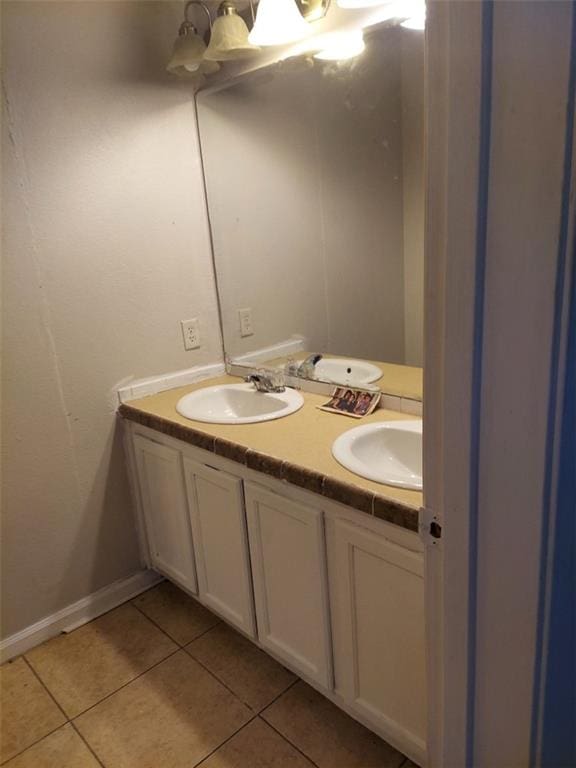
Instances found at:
x=314 y=185
x=319 y=567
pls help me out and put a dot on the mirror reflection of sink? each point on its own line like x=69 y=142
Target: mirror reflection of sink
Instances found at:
x=346 y=371
x=388 y=452
x=238 y=404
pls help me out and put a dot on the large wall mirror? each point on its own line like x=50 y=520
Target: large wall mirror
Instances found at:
x=314 y=177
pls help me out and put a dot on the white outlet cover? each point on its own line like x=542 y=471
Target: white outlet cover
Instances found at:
x=245 y=316
x=191 y=333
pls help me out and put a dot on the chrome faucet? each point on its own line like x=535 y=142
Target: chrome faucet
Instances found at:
x=306 y=367
x=267 y=381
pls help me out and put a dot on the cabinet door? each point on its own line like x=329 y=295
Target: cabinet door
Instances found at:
x=290 y=581
x=165 y=511
x=377 y=599
x=216 y=507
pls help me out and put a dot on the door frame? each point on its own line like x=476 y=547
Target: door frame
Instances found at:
x=460 y=367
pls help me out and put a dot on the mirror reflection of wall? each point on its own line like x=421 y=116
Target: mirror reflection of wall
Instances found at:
x=314 y=175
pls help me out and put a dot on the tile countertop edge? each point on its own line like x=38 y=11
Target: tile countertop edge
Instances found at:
x=377 y=505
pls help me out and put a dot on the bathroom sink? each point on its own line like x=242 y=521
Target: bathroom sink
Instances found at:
x=348 y=372
x=388 y=452
x=238 y=404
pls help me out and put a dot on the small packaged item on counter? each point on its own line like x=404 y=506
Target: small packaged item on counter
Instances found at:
x=352 y=402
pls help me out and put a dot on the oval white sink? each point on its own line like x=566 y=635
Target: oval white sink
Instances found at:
x=388 y=452
x=238 y=404
x=350 y=372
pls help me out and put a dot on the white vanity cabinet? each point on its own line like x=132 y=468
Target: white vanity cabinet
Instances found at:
x=290 y=581
x=165 y=510
x=377 y=603
x=334 y=594
x=216 y=505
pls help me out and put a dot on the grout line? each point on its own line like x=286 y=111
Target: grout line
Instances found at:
x=254 y=717
x=215 y=676
x=172 y=640
x=48 y=691
x=275 y=699
x=33 y=744
x=87 y=745
x=222 y=682
x=180 y=645
x=71 y=719
x=124 y=685
x=292 y=744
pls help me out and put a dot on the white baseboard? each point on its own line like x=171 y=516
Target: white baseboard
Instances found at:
x=155 y=384
x=78 y=613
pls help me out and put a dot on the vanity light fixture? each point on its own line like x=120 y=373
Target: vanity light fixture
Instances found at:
x=341 y=46
x=278 y=22
x=188 y=55
x=229 y=37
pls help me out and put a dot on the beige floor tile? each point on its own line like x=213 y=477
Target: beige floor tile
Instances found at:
x=253 y=675
x=83 y=667
x=327 y=735
x=28 y=712
x=181 y=617
x=257 y=746
x=171 y=717
x=62 y=749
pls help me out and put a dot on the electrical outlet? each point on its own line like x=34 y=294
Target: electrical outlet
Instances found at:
x=246 y=328
x=191 y=333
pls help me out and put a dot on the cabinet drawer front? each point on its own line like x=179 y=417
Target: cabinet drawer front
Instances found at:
x=164 y=504
x=216 y=507
x=290 y=581
x=377 y=591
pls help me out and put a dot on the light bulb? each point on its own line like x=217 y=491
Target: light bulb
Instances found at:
x=278 y=22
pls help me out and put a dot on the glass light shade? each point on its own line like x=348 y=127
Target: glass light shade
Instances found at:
x=229 y=40
x=341 y=46
x=278 y=22
x=188 y=57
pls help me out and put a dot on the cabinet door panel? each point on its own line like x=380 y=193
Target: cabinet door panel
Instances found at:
x=216 y=507
x=290 y=581
x=164 y=504
x=377 y=592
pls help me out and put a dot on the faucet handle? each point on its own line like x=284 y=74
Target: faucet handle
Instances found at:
x=267 y=380
x=307 y=366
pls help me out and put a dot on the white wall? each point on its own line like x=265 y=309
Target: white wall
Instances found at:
x=105 y=249
x=304 y=178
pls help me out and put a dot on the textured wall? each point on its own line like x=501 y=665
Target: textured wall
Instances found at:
x=105 y=249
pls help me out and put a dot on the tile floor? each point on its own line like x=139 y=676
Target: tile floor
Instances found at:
x=160 y=682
